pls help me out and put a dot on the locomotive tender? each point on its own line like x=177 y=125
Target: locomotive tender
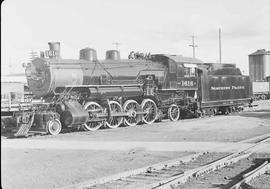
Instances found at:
x=91 y=93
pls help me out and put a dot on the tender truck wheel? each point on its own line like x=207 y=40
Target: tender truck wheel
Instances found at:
x=173 y=112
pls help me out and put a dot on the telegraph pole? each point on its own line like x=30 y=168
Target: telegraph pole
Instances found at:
x=116 y=45
x=219 y=37
x=193 y=45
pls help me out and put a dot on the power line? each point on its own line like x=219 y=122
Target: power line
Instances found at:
x=193 y=45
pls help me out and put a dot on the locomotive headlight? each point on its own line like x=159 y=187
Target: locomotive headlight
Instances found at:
x=28 y=71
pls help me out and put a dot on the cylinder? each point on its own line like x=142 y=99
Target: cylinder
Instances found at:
x=88 y=54
x=55 y=47
x=112 y=55
x=73 y=114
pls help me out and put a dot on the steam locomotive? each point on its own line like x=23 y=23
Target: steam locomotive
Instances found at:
x=92 y=93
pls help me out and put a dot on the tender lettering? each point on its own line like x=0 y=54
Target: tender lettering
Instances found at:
x=219 y=88
x=238 y=87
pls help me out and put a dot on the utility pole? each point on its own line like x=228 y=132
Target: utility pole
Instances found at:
x=193 y=45
x=10 y=68
x=219 y=37
x=116 y=45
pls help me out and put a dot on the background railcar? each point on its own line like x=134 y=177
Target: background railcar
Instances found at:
x=261 y=90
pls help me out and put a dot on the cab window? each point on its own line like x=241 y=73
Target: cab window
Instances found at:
x=189 y=72
x=172 y=67
x=180 y=71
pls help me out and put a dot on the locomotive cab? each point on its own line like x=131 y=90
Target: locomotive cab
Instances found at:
x=181 y=72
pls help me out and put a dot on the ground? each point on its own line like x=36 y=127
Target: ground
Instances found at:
x=55 y=161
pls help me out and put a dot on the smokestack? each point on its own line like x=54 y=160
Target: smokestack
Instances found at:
x=54 y=47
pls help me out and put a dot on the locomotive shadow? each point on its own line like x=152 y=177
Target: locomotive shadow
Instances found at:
x=7 y=134
x=10 y=135
x=263 y=114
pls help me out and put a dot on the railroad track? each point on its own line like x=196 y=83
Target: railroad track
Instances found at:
x=263 y=168
x=172 y=173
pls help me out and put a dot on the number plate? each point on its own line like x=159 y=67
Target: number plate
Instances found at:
x=187 y=83
x=50 y=53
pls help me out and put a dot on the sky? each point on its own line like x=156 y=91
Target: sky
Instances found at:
x=156 y=26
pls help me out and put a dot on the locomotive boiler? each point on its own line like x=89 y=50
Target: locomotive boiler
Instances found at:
x=90 y=93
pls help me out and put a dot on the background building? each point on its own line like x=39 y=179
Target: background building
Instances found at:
x=259 y=65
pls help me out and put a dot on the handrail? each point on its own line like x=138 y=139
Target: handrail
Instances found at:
x=100 y=86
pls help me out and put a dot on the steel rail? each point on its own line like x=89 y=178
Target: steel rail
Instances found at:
x=252 y=174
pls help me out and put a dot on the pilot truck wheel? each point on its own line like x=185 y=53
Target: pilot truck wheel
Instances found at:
x=54 y=127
